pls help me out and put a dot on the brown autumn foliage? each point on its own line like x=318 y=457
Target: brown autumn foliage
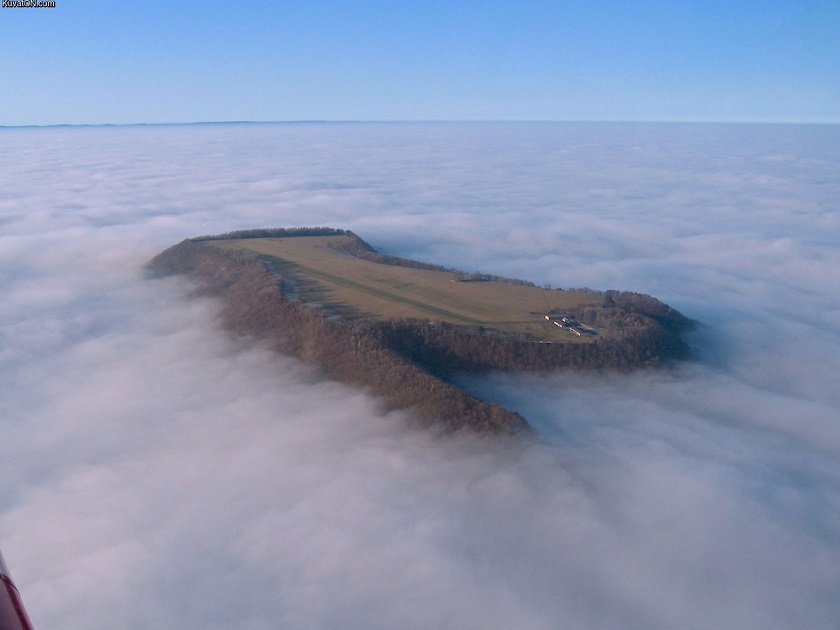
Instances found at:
x=253 y=305
x=405 y=361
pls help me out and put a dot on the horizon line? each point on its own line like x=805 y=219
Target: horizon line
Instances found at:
x=316 y=121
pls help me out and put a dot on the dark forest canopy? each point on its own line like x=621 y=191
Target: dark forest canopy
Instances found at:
x=408 y=361
x=274 y=233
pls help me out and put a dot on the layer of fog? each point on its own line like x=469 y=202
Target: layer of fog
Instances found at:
x=159 y=474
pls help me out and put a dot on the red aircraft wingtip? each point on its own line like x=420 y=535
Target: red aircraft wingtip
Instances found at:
x=12 y=613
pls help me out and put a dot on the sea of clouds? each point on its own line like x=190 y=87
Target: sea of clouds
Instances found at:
x=157 y=473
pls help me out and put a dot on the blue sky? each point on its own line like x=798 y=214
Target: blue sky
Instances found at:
x=95 y=62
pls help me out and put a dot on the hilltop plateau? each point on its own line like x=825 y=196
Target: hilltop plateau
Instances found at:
x=402 y=327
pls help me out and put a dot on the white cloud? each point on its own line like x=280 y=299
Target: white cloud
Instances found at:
x=159 y=474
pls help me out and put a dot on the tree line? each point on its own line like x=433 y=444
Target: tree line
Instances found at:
x=272 y=233
x=253 y=305
x=409 y=361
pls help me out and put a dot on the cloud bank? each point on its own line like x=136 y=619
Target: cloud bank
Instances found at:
x=158 y=473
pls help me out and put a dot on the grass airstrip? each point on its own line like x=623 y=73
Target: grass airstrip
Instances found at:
x=317 y=271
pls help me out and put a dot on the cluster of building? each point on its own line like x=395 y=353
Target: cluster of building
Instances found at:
x=569 y=324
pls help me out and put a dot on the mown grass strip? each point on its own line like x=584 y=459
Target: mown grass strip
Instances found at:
x=389 y=296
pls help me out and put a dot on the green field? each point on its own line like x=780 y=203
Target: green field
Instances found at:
x=318 y=272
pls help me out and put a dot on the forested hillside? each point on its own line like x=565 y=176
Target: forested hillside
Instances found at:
x=408 y=361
